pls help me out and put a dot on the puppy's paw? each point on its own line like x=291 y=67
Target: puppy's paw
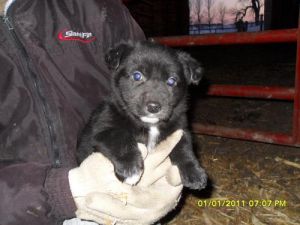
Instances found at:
x=129 y=169
x=193 y=176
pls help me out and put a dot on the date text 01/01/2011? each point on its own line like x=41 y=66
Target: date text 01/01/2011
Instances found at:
x=241 y=203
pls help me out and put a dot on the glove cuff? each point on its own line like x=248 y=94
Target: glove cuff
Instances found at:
x=78 y=182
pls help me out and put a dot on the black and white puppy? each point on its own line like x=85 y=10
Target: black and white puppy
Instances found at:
x=148 y=103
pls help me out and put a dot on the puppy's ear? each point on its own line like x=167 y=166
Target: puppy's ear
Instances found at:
x=191 y=68
x=115 y=55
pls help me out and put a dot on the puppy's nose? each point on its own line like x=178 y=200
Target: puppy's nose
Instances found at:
x=153 y=107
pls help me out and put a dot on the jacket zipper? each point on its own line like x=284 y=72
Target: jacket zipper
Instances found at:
x=24 y=58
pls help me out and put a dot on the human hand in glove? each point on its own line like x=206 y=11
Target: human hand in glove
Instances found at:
x=102 y=198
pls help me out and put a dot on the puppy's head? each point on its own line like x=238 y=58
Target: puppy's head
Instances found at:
x=150 y=80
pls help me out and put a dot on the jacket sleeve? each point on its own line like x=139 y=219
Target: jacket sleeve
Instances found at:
x=34 y=194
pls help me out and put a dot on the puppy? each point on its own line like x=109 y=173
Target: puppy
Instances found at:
x=148 y=102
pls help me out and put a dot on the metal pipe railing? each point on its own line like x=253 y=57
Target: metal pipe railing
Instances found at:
x=245 y=134
x=296 y=115
x=247 y=91
x=274 y=36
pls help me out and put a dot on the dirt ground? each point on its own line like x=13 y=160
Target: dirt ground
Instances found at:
x=250 y=183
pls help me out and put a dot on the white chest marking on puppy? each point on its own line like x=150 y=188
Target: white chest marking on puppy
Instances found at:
x=149 y=119
x=152 y=138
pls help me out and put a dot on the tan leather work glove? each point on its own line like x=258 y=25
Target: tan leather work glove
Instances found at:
x=102 y=198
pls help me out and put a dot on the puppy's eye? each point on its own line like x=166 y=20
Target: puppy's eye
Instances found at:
x=137 y=75
x=172 y=81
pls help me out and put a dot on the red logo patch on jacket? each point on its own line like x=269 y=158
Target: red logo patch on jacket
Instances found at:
x=70 y=35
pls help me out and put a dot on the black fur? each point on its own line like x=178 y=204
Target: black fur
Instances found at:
x=116 y=127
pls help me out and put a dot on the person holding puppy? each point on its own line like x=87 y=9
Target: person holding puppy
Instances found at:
x=52 y=76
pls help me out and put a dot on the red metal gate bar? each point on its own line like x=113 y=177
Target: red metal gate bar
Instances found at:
x=245 y=134
x=296 y=119
x=247 y=91
x=273 y=36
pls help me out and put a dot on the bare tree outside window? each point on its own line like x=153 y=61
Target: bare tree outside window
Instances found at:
x=254 y=6
x=210 y=12
x=222 y=13
x=198 y=11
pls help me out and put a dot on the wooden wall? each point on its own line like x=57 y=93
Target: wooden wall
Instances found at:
x=281 y=14
x=161 y=17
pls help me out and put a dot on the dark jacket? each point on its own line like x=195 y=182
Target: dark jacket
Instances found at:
x=52 y=75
